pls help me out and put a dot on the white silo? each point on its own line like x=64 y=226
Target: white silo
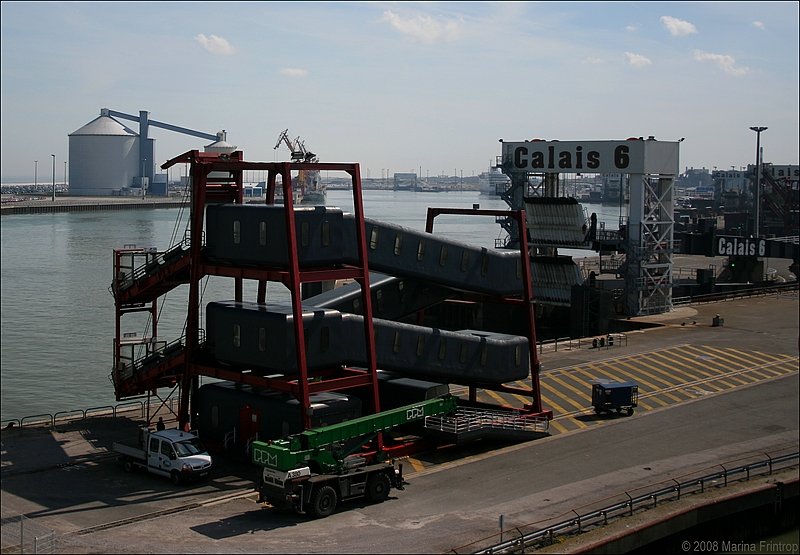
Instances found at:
x=103 y=158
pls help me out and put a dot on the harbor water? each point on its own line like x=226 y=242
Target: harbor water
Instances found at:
x=57 y=313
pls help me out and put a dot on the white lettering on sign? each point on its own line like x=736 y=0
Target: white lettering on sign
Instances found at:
x=740 y=246
x=263 y=457
x=414 y=413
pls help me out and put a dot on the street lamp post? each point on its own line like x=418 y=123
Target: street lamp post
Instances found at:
x=758 y=131
x=54 y=177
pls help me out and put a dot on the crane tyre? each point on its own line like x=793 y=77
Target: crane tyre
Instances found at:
x=378 y=486
x=323 y=502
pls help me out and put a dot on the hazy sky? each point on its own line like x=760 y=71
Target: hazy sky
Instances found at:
x=399 y=86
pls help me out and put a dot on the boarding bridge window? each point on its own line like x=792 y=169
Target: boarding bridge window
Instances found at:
x=421 y=250
x=464 y=261
x=237 y=235
x=326 y=233
x=237 y=335
x=396 y=345
x=304 y=233
x=262 y=233
x=484 y=354
x=373 y=239
x=262 y=339
x=442 y=349
x=443 y=255
x=420 y=345
x=485 y=263
x=398 y=242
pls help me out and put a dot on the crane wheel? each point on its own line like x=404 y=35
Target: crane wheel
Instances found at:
x=378 y=486
x=323 y=502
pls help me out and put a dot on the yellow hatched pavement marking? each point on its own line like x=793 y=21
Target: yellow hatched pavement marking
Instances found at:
x=743 y=368
x=775 y=365
x=566 y=398
x=563 y=412
x=605 y=372
x=558 y=426
x=667 y=383
x=582 y=395
x=691 y=364
x=714 y=362
x=688 y=372
x=766 y=358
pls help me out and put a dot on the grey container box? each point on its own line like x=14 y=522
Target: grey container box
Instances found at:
x=255 y=235
x=255 y=336
x=222 y=406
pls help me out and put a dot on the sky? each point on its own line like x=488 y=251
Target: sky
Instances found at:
x=427 y=87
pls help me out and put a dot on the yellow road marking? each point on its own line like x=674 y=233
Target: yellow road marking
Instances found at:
x=549 y=402
x=656 y=388
x=583 y=395
x=566 y=398
x=691 y=364
x=715 y=362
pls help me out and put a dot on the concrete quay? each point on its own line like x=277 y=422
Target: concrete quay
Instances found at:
x=66 y=480
x=43 y=205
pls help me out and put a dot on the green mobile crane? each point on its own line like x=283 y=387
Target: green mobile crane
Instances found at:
x=311 y=472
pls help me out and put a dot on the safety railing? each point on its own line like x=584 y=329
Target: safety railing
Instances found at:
x=580 y=522
x=469 y=419
x=777 y=289
x=567 y=343
x=134 y=408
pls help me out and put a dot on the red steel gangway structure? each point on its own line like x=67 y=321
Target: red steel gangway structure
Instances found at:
x=218 y=178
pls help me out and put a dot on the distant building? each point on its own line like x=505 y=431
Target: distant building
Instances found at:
x=405 y=182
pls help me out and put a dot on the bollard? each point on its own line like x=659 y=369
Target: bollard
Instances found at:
x=717 y=321
x=610 y=340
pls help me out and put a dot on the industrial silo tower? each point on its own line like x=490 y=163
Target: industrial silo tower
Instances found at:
x=103 y=158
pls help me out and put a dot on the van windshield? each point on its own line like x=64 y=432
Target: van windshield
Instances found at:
x=189 y=447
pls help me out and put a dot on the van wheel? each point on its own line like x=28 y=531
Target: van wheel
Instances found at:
x=378 y=486
x=175 y=476
x=323 y=502
x=127 y=465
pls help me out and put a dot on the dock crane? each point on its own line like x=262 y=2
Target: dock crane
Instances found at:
x=298 y=149
x=312 y=189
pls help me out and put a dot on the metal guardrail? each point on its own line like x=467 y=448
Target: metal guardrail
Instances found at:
x=738 y=294
x=580 y=522
x=51 y=420
x=468 y=420
x=568 y=343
